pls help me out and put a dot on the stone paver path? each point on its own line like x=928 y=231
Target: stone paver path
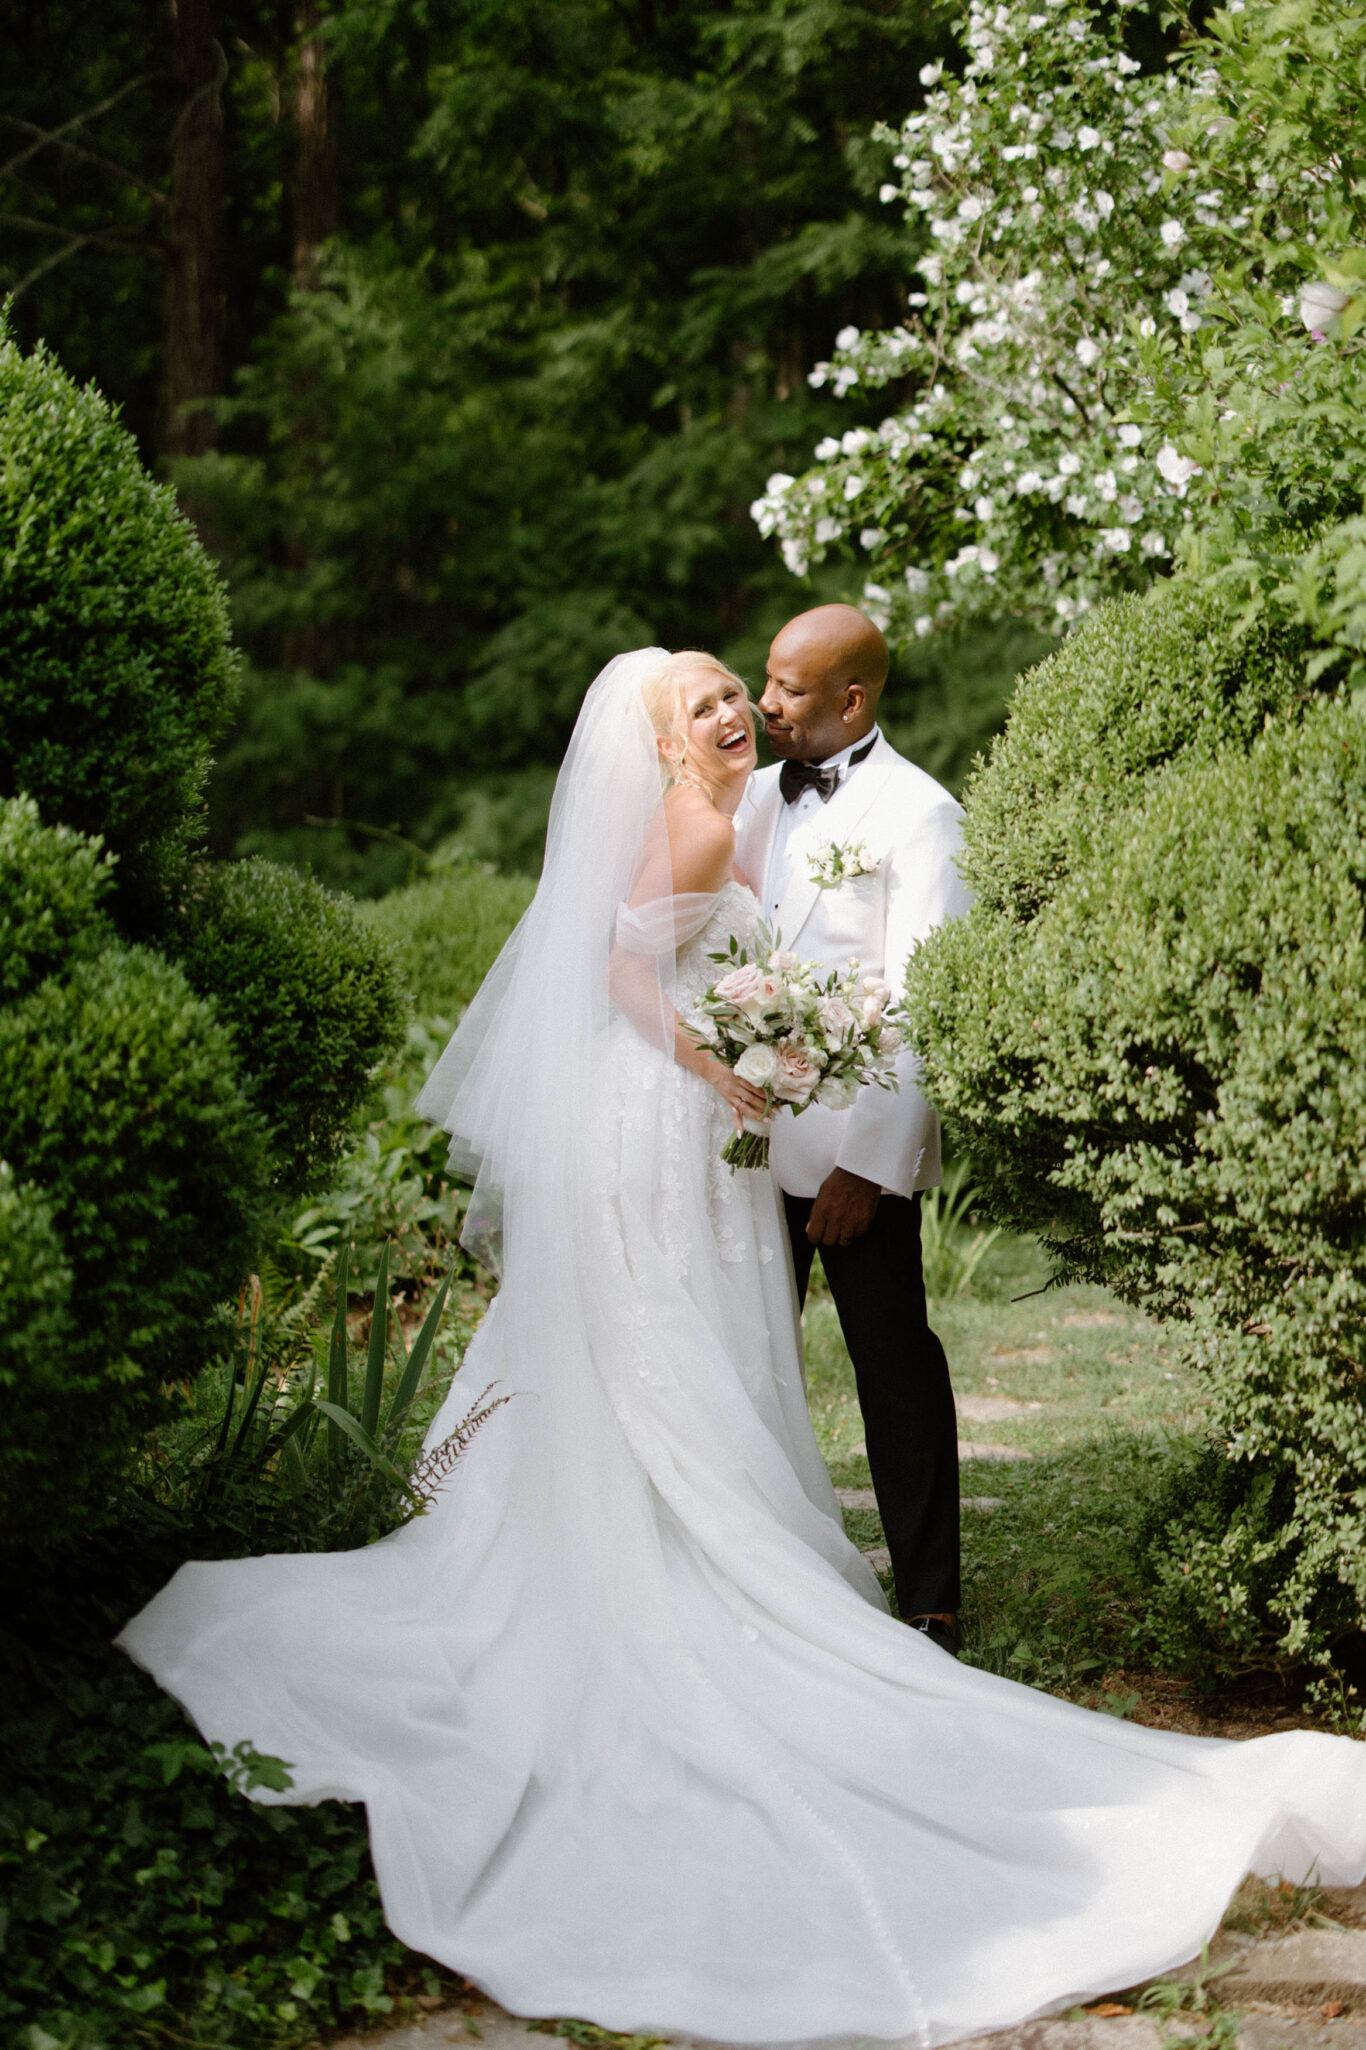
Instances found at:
x=1304 y=1989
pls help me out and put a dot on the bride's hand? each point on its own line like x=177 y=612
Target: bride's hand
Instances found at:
x=744 y=1099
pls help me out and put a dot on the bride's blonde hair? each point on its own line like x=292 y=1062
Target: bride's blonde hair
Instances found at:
x=662 y=692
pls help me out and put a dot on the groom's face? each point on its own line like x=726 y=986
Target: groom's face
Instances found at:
x=807 y=705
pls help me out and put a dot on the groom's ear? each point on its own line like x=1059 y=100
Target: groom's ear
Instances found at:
x=855 y=699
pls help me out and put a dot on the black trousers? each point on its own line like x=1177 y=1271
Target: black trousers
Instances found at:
x=911 y=1430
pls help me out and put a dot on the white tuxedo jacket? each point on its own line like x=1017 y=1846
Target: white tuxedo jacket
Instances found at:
x=912 y=828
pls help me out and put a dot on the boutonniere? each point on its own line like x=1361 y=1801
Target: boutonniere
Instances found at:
x=833 y=862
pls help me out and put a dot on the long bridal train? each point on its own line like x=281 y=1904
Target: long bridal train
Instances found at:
x=636 y=1736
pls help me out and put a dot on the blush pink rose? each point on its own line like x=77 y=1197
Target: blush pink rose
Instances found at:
x=797 y=1075
x=835 y=1016
x=751 y=991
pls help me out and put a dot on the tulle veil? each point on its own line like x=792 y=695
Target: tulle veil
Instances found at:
x=511 y=1086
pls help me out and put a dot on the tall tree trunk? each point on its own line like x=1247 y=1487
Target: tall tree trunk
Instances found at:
x=315 y=184
x=194 y=284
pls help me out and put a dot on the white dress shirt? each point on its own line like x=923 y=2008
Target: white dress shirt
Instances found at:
x=797 y=813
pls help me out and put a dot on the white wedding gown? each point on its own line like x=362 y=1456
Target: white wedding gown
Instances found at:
x=637 y=1738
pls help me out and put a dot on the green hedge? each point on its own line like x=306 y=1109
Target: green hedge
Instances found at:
x=52 y=883
x=446 y=931
x=1149 y=1032
x=116 y=668
x=148 y=1107
x=310 y=999
x=1142 y=681
x=120 y=1107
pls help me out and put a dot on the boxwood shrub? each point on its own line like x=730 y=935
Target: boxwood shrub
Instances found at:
x=1149 y=1032
x=446 y=931
x=309 y=995
x=139 y=1173
x=117 y=672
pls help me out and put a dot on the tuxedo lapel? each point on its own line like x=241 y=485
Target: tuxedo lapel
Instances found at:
x=837 y=820
x=757 y=846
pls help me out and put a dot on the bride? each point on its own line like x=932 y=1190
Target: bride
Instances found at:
x=636 y=1735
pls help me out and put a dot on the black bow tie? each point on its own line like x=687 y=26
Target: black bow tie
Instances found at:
x=795 y=777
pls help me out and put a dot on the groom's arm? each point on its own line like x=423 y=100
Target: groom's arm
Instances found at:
x=885 y=1135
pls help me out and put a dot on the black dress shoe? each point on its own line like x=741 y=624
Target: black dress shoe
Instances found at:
x=947 y=1636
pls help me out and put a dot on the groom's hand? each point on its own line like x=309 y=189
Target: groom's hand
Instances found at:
x=843 y=1210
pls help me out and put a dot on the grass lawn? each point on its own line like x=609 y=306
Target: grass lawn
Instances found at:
x=1089 y=1397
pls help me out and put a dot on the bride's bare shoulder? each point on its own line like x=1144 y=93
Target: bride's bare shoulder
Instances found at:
x=701 y=840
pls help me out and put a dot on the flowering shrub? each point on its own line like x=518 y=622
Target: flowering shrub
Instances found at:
x=1135 y=338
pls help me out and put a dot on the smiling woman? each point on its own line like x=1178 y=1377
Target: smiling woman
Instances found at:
x=704 y=725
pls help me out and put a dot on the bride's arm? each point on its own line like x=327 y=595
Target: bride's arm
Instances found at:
x=696 y=862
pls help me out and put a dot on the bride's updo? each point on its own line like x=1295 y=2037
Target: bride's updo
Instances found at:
x=662 y=692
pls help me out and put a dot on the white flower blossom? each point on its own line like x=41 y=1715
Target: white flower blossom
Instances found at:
x=1117 y=539
x=1130 y=435
x=1173 y=234
x=917 y=581
x=1069 y=464
x=1321 y=305
x=985 y=508
x=853 y=486
x=1175 y=160
x=871 y=537
x=1176 y=468
x=847 y=338
x=930 y=74
x=1087 y=352
x=887 y=193
x=1088 y=138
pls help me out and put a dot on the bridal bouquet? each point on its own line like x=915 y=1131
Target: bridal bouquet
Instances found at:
x=801 y=1033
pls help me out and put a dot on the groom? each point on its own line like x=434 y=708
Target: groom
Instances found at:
x=851 y=1180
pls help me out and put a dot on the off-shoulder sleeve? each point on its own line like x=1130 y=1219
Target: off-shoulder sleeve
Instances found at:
x=663 y=924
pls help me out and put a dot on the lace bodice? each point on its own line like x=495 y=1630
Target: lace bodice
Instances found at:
x=736 y=912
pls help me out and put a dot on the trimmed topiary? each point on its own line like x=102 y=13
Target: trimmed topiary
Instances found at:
x=116 y=668
x=121 y=1109
x=308 y=994
x=35 y=1340
x=446 y=931
x=1142 y=681
x=1149 y=1031
x=52 y=886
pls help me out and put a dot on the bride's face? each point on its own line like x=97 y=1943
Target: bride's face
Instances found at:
x=718 y=727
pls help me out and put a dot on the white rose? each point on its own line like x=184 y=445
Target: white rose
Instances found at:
x=757 y=1064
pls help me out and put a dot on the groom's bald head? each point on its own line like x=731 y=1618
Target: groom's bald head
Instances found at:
x=826 y=670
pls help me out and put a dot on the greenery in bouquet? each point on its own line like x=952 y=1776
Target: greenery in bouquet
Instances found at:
x=799 y=1033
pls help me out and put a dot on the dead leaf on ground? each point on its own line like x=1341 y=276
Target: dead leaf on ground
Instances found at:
x=1107 y=2010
